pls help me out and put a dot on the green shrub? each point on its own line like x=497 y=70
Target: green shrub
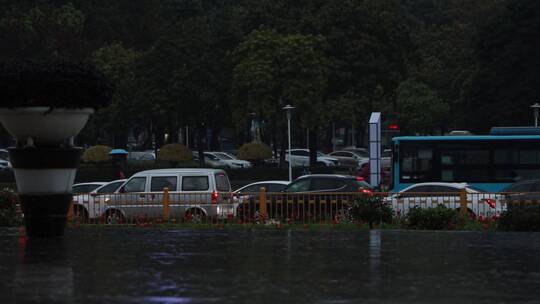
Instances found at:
x=255 y=151
x=174 y=153
x=438 y=218
x=8 y=209
x=521 y=218
x=97 y=154
x=371 y=209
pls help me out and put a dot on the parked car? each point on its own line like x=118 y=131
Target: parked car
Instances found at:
x=194 y=194
x=300 y=158
x=226 y=160
x=522 y=191
x=386 y=159
x=349 y=158
x=386 y=156
x=362 y=152
x=251 y=191
x=148 y=155
x=270 y=186
x=86 y=187
x=90 y=205
x=327 y=183
x=308 y=198
x=431 y=194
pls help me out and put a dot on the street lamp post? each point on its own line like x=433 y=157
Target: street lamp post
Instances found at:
x=535 y=107
x=288 y=108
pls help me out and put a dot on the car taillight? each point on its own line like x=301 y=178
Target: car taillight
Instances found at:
x=215 y=196
x=360 y=179
x=491 y=202
x=366 y=191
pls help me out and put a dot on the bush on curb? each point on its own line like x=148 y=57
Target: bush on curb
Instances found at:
x=8 y=209
x=255 y=152
x=97 y=154
x=438 y=218
x=174 y=153
x=521 y=218
x=370 y=209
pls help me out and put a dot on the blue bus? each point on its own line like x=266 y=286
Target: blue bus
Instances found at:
x=487 y=162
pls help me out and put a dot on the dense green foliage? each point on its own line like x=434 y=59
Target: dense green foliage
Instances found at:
x=434 y=65
x=255 y=151
x=97 y=154
x=438 y=218
x=371 y=210
x=521 y=218
x=174 y=153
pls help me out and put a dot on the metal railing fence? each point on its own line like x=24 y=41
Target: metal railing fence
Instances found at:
x=265 y=207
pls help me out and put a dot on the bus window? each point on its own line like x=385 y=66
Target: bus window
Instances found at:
x=416 y=164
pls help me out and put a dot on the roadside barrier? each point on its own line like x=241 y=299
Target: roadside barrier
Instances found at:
x=275 y=208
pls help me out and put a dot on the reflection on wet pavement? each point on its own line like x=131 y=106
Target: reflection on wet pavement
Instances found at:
x=270 y=266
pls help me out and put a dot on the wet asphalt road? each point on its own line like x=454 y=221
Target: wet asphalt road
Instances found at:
x=136 y=265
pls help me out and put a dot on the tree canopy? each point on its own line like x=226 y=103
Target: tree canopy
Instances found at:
x=208 y=64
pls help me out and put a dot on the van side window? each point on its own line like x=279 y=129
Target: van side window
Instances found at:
x=159 y=182
x=195 y=183
x=136 y=184
x=222 y=182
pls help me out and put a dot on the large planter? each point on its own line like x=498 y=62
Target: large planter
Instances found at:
x=44 y=179
x=45 y=126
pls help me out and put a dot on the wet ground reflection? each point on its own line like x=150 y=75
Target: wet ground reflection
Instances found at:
x=272 y=266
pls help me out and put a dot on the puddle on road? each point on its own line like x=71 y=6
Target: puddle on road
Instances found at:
x=186 y=266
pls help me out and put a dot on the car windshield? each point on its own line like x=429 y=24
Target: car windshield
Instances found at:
x=360 y=152
x=223 y=156
x=319 y=153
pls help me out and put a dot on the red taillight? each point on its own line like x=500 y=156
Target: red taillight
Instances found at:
x=215 y=196
x=491 y=202
x=366 y=191
x=360 y=179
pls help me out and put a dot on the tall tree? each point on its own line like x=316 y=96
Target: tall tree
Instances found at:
x=508 y=78
x=271 y=67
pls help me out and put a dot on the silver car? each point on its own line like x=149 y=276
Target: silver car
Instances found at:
x=194 y=194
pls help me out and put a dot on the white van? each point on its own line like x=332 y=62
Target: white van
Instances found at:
x=193 y=193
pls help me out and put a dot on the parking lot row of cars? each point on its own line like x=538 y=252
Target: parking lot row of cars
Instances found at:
x=207 y=193
x=348 y=157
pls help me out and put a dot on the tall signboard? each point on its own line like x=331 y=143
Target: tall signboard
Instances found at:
x=375 y=149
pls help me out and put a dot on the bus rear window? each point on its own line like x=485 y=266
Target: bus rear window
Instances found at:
x=222 y=182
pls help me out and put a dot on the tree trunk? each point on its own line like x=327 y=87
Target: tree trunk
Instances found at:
x=274 y=140
x=201 y=134
x=214 y=142
x=329 y=143
x=313 y=132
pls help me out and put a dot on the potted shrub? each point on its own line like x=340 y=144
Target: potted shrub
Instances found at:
x=255 y=152
x=44 y=105
x=174 y=153
x=97 y=154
